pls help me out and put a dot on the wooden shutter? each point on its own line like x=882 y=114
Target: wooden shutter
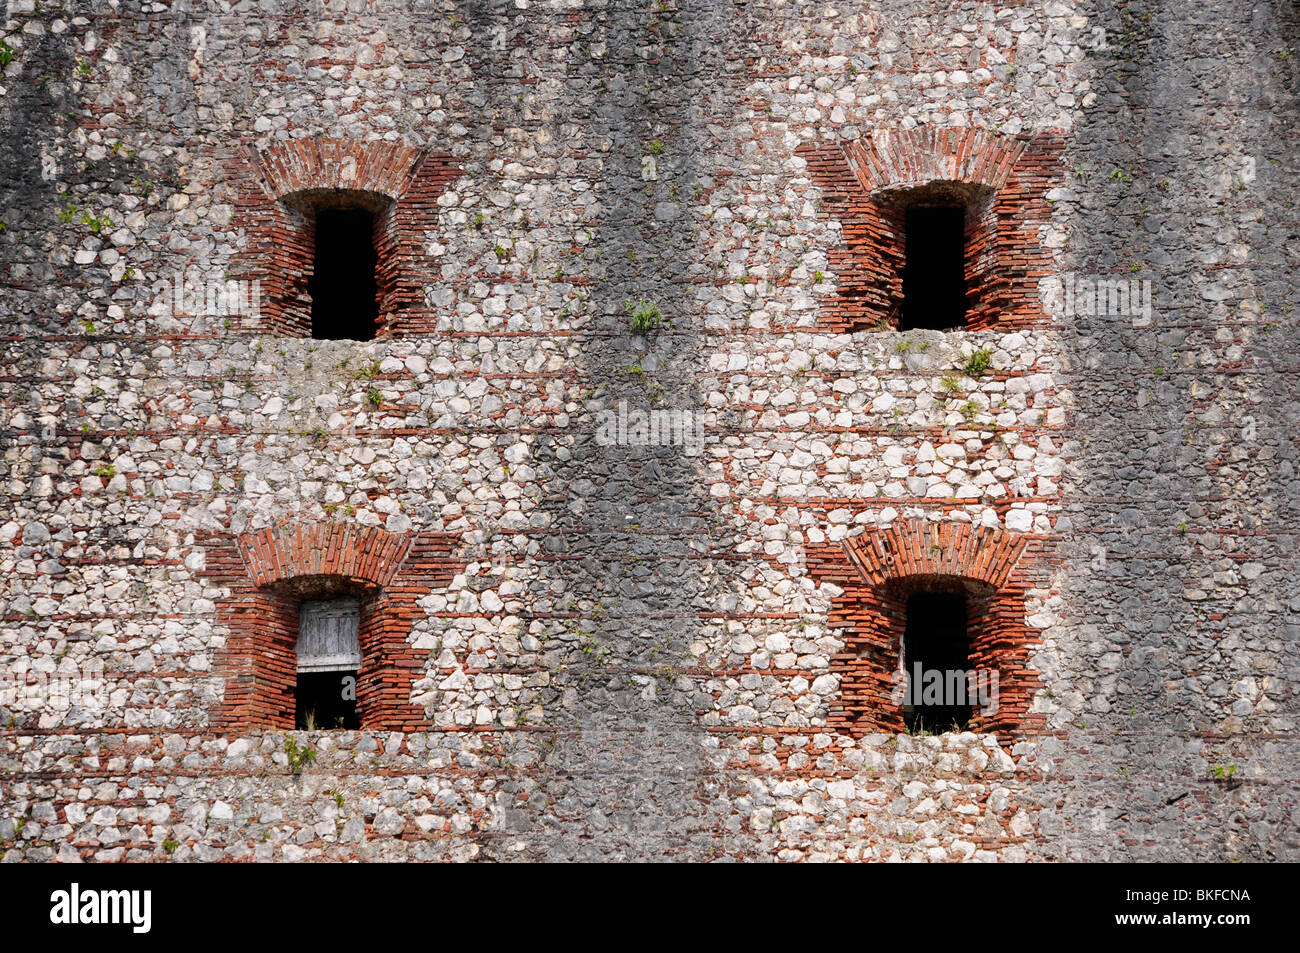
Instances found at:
x=327 y=635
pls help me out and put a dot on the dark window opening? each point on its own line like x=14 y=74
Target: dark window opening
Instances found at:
x=936 y=662
x=934 y=271
x=326 y=700
x=343 y=288
x=329 y=658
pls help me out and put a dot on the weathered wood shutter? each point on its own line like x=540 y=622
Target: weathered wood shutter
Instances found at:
x=327 y=635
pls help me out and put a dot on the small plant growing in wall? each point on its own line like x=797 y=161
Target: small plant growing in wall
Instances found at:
x=978 y=363
x=368 y=371
x=170 y=845
x=299 y=757
x=906 y=345
x=374 y=397
x=97 y=223
x=6 y=54
x=646 y=317
x=594 y=650
x=896 y=424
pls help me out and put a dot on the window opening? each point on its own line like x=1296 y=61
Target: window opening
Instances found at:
x=329 y=658
x=934 y=272
x=343 y=287
x=936 y=662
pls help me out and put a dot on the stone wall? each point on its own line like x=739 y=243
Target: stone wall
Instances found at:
x=615 y=650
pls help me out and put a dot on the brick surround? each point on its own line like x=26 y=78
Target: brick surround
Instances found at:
x=867 y=186
x=879 y=570
x=271 y=571
x=279 y=191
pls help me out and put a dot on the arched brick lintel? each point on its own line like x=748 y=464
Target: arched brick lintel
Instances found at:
x=917 y=548
x=278 y=553
x=388 y=168
x=890 y=159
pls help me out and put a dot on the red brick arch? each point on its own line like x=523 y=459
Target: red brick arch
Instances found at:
x=914 y=548
x=879 y=569
x=278 y=189
x=269 y=572
x=368 y=555
x=866 y=186
x=389 y=168
x=906 y=158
